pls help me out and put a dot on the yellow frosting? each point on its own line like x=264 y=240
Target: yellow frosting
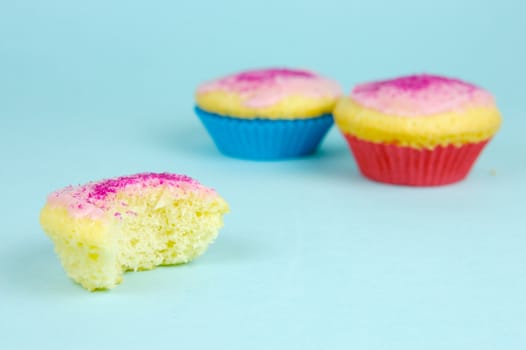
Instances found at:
x=472 y=124
x=290 y=107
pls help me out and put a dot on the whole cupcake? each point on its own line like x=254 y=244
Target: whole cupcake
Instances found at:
x=419 y=130
x=268 y=114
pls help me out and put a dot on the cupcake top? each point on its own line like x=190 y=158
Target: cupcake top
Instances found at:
x=420 y=95
x=97 y=199
x=419 y=111
x=275 y=93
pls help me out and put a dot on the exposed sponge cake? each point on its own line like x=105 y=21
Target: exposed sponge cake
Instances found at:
x=105 y=228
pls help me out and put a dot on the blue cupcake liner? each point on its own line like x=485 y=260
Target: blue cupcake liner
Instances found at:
x=264 y=139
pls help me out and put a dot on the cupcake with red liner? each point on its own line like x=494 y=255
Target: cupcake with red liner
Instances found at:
x=268 y=114
x=419 y=130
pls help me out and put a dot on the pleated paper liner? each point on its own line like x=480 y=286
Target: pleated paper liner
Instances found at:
x=414 y=167
x=263 y=139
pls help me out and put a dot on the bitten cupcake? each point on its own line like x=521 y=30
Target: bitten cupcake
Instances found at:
x=268 y=114
x=419 y=130
x=130 y=223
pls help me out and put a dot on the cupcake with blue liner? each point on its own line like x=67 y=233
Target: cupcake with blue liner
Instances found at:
x=268 y=114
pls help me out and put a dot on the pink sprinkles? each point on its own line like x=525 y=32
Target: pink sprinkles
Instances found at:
x=264 y=75
x=103 y=189
x=411 y=83
x=420 y=95
x=253 y=80
x=95 y=198
x=265 y=87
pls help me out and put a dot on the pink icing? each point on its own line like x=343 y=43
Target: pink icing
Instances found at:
x=265 y=87
x=420 y=95
x=95 y=199
x=265 y=75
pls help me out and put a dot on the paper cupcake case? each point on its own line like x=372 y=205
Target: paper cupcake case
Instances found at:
x=414 y=167
x=263 y=139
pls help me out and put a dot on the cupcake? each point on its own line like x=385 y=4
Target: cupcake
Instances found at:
x=268 y=114
x=419 y=130
x=104 y=228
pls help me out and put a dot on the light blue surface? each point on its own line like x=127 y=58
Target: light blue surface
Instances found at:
x=312 y=256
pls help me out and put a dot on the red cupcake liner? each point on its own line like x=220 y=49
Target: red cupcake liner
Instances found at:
x=414 y=167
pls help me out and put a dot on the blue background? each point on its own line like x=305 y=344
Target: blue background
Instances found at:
x=312 y=256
